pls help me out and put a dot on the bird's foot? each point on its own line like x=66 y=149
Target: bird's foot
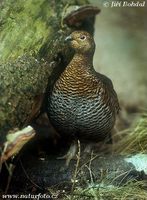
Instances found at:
x=88 y=151
x=97 y=148
x=70 y=154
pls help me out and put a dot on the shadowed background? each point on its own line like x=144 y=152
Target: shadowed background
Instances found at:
x=121 y=50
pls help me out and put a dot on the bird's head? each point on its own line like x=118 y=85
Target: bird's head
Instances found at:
x=81 y=42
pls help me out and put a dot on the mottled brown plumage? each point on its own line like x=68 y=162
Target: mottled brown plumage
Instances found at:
x=82 y=104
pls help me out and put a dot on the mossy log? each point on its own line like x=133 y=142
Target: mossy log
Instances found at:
x=31 y=45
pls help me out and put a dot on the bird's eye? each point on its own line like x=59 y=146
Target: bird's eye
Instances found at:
x=82 y=37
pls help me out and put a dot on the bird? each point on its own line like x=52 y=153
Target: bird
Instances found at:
x=82 y=105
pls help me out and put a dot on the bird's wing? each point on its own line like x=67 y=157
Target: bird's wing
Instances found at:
x=109 y=89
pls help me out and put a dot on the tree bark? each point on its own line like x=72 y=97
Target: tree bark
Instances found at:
x=31 y=45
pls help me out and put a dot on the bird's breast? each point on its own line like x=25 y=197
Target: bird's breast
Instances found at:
x=77 y=105
x=78 y=84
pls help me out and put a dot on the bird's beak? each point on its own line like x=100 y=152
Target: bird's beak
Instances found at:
x=68 y=38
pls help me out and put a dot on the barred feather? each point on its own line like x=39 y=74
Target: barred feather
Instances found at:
x=83 y=103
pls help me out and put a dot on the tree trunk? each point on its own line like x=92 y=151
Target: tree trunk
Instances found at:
x=31 y=45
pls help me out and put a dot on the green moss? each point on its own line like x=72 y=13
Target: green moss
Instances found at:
x=26 y=27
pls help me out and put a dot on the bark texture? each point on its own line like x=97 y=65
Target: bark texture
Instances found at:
x=31 y=45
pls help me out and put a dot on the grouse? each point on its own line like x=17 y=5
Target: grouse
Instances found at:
x=83 y=103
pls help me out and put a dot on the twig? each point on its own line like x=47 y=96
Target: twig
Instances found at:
x=76 y=169
x=29 y=177
x=10 y=168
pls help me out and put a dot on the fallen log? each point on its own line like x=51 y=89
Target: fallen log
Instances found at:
x=92 y=171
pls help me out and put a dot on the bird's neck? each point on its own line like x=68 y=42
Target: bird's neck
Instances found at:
x=88 y=58
x=82 y=61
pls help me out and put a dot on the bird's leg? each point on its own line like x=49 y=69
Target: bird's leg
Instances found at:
x=98 y=147
x=88 y=148
x=71 y=153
